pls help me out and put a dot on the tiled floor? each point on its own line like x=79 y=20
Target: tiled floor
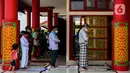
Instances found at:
x=123 y=71
x=65 y=69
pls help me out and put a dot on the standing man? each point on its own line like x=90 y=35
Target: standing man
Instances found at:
x=42 y=42
x=30 y=40
x=36 y=43
x=83 y=43
x=53 y=45
x=25 y=48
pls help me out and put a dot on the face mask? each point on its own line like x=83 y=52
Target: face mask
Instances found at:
x=29 y=30
x=86 y=30
x=56 y=31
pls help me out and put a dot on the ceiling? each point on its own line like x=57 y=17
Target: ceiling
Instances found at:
x=60 y=5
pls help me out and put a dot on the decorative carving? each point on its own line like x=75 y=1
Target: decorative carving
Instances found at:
x=97 y=54
x=9 y=38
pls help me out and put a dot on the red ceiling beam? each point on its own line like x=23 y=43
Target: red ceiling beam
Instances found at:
x=45 y=9
x=24 y=6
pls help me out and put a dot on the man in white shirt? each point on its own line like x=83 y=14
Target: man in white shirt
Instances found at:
x=36 y=43
x=25 y=48
x=83 y=43
x=53 y=45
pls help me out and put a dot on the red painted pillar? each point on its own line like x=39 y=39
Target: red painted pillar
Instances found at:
x=85 y=20
x=1 y=18
x=11 y=9
x=10 y=32
x=50 y=21
x=56 y=19
x=35 y=14
x=128 y=18
x=81 y=21
x=28 y=18
x=120 y=37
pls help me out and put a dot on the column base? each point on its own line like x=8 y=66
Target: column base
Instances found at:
x=121 y=68
x=6 y=66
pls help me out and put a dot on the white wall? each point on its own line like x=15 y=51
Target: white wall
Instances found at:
x=23 y=20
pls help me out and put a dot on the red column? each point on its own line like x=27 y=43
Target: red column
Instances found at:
x=81 y=21
x=128 y=18
x=120 y=37
x=11 y=9
x=35 y=14
x=55 y=19
x=85 y=20
x=10 y=32
x=1 y=18
x=50 y=21
x=28 y=18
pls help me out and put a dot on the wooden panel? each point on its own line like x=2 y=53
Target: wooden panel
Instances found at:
x=97 y=20
x=97 y=43
x=97 y=54
x=97 y=32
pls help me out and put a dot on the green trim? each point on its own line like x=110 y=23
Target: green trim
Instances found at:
x=126 y=63
x=115 y=62
x=7 y=60
x=2 y=61
x=116 y=24
x=6 y=64
x=13 y=23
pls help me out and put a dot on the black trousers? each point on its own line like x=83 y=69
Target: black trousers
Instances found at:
x=54 y=54
x=30 y=51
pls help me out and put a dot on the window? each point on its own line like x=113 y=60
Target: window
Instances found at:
x=91 y=5
x=111 y=4
x=102 y=4
x=77 y=4
x=76 y=20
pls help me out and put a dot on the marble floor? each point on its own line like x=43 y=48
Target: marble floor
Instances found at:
x=65 y=69
x=62 y=68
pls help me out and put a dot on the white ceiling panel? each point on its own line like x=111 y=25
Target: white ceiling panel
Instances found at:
x=60 y=5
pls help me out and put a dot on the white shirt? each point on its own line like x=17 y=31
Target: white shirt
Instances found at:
x=24 y=42
x=36 y=40
x=53 y=41
x=83 y=37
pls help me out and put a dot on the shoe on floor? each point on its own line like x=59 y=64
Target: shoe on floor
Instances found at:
x=83 y=68
x=53 y=66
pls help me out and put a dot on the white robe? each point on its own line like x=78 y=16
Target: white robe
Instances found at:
x=25 y=48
